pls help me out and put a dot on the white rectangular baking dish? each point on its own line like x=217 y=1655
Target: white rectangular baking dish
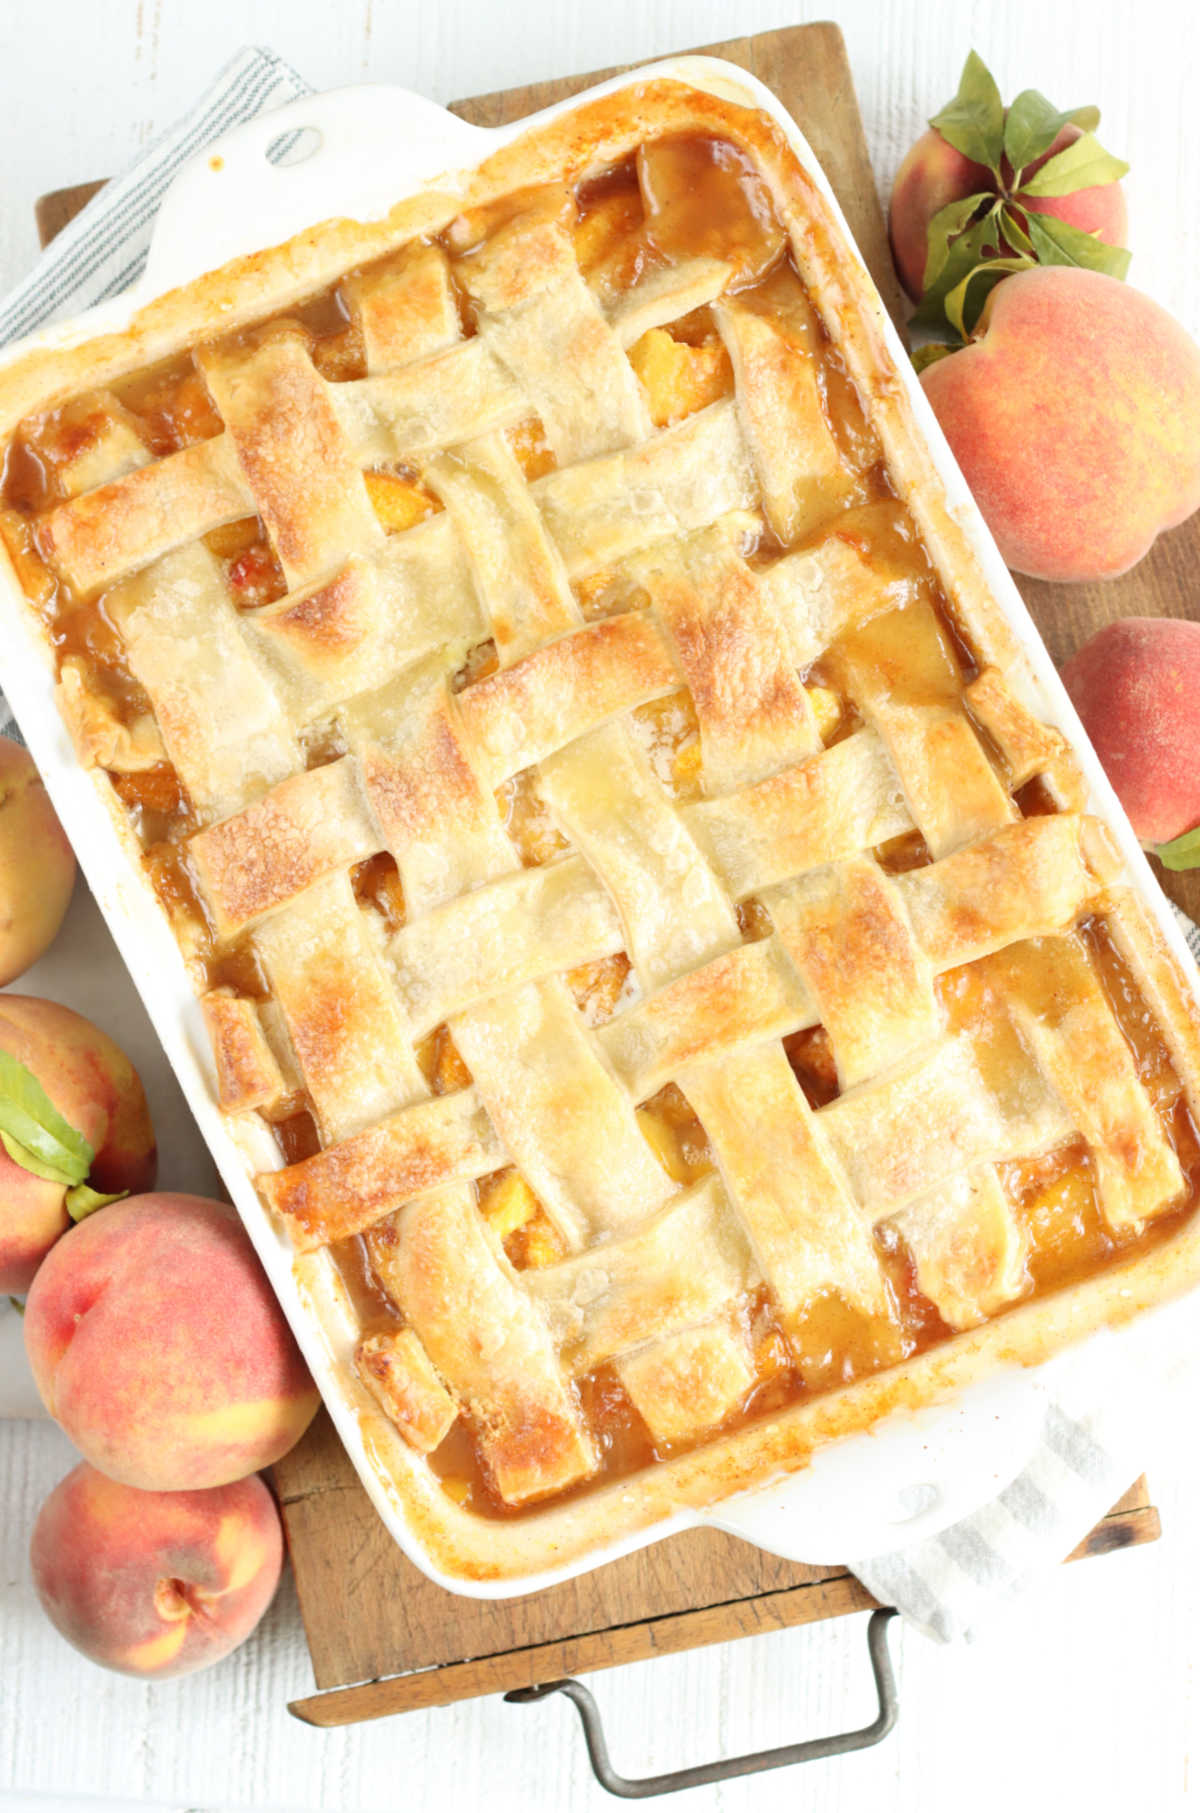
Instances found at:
x=862 y=1495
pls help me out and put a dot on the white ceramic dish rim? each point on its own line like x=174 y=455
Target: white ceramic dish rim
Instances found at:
x=867 y=1493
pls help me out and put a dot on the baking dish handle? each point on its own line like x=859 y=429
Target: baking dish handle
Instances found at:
x=273 y=176
x=755 y=1762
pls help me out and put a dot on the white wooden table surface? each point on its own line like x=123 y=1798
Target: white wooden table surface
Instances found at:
x=1089 y=1698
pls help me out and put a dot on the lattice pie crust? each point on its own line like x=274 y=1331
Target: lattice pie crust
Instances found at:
x=610 y=825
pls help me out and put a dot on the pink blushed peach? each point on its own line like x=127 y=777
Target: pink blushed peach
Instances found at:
x=155 y=1584
x=1136 y=685
x=158 y=1345
x=37 y=867
x=96 y=1089
x=1075 y=417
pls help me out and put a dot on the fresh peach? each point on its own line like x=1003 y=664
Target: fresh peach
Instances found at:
x=1099 y=209
x=1136 y=685
x=155 y=1583
x=37 y=867
x=96 y=1089
x=933 y=174
x=156 y=1342
x=1075 y=417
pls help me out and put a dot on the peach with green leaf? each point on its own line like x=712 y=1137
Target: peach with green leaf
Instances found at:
x=155 y=1584
x=37 y=867
x=1136 y=686
x=1074 y=414
x=75 y=1129
x=988 y=190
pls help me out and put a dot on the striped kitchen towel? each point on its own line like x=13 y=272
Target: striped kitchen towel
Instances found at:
x=104 y=248
x=945 y=1585
x=949 y=1584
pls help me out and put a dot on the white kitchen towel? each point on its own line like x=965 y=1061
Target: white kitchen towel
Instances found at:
x=947 y=1584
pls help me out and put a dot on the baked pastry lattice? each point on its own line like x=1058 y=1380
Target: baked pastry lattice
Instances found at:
x=609 y=850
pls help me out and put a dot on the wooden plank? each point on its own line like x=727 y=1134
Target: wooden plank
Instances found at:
x=346 y=1565
x=1120 y=1530
x=56 y=210
x=1132 y=1520
x=1136 y=1499
x=833 y=1597
x=368 y=1612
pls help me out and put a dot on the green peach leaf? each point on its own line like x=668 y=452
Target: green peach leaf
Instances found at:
x=973 y=122
x=35 y=1128
x=930 y=353
x=1083 y=165
x=945 y=226
x=966 y=251
x=29 y=1161
x=1014 y=233
x=1181 y=853
x=1055 y=242
x=1032 y=124
x=83 y=1201
x=17 y=1305
x=964 y=304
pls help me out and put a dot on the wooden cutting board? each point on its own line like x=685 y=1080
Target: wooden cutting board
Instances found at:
x=382 y=1637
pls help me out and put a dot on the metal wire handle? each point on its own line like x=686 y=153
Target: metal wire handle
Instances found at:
x=755 y=1761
